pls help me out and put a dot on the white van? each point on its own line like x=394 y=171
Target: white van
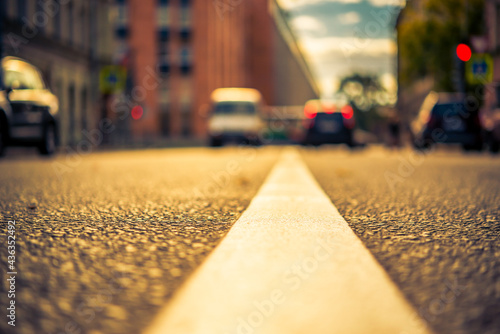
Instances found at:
x=235 y=116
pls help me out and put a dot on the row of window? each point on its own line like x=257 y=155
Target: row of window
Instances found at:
x=184 y=3
x=122 y=31
x=120 y=16
x=185 y=61
x=40 y=16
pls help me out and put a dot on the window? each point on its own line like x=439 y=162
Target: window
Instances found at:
x=121 y=14
x=57 y=24
x=21 y=8
x=83 y=27
x=163 y=57
x=185 y=57
x=234 y=108
x=121 y=19
x=185 y=22
x=39 y=9
x=163 y=16
x=163 y=34
x=185 y=17
x=70 y=22
x=121 y=32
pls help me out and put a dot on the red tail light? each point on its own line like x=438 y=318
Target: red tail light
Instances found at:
x=347 y=112
x=137 y=112
x=310 y=110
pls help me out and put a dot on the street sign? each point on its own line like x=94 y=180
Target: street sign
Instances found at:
x=479 y=69
x=112 y=79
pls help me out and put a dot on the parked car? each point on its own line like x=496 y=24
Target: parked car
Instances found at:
x=235 y=116
x=327 y=122
x=491 y=122
x=447 y=118
x=28 y=108
x=490 y=118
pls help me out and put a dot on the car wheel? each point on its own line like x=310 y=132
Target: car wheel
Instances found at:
x=48 y=144
x=3 y=142
x=472 y=147
x=215 y=142
x=494 y=146
x=422 y=145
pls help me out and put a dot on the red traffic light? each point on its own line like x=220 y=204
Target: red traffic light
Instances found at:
x=463 y=52
x=137 y=112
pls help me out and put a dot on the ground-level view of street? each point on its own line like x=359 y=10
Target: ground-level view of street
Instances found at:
x=104 y=241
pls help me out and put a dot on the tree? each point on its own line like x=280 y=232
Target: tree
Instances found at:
x=365 y=94
x=428 y=36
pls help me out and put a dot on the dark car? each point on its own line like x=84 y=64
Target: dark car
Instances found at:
x=27 y=109
x=447 y=118
x=328 y=123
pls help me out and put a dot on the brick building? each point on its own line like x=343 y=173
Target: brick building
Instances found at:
x=175 y=53
x=197 y=46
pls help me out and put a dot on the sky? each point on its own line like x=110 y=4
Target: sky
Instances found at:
x=340 y=37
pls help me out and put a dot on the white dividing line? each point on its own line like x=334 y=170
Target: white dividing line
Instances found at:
x=290 y=264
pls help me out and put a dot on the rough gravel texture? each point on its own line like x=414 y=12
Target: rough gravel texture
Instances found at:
x=104 y=243
x=436 y=230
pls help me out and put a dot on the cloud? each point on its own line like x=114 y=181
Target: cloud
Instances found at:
x=308 y=24
x=348 y=46
x=349 y=18
x=293 y=4
x=389 y=82
x=382 y=3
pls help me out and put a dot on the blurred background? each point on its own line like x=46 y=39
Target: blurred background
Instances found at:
x=149 y=66
x=113 y=75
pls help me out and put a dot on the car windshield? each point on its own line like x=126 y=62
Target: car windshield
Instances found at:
x=448 y=109
x=336 y=116
x=234 y=108
x=27 y=79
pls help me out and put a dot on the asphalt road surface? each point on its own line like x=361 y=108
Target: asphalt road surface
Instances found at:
x=104 y=240
x=101 y=248
x=432 y=221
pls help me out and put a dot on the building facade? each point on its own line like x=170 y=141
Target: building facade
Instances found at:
x=197 y=46
x=60 y=38
x=174 y=53
x=492 y=18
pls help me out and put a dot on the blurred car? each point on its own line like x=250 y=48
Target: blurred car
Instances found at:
x=447 y=118
x=490 y=118
x=27 y=108
x=328 y=123
x=491 y=121
x=235 y=116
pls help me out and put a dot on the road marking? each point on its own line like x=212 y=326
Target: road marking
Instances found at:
x=290 y=264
